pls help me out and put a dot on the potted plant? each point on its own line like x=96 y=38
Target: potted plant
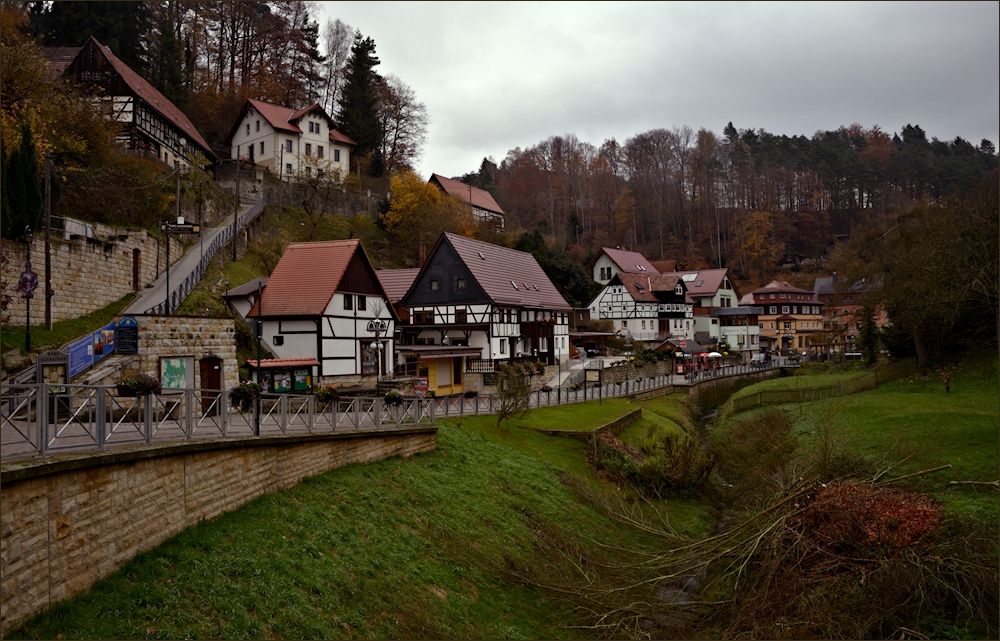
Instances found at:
x=393 y=398
x=471 y=393
x=138 y=385
x=244 y=395
x=327 y=394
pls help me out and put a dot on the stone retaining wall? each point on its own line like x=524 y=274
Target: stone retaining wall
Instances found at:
x=66 y=524
x=87 y=273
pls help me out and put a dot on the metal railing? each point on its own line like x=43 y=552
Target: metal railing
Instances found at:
x=178 y=295
x=42 y=419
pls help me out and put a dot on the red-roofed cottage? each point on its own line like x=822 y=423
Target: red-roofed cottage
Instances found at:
x=474 y=304
x=609 y=262
x=323 y=301
x=151 y=123
x=482 y=206
x=289 y=142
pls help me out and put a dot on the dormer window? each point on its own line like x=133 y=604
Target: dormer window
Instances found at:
x=678 y=290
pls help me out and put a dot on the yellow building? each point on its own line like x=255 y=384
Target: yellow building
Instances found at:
x=792 y=317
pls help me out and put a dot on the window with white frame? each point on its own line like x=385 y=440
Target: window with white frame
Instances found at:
x=784 y=309
x=774 y=309
x=336 y=155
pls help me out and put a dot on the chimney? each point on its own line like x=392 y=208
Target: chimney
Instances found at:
x=422 y=255
x=834 y=278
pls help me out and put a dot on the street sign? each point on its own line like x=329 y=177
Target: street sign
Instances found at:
x=176 y=228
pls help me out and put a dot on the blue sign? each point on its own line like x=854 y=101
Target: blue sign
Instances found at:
x=127 y=336
x=91 y=349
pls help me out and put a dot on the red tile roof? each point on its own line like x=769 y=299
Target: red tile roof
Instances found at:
x=156 y=100
x=459 y=190
x=59 y=58
x=508 y=276
x=286 y=119
x=664 y=266
x=396 y=282
x=705 y=282
x=649 y=284
x=780 y=286
x=306 y=278
x=627 y=261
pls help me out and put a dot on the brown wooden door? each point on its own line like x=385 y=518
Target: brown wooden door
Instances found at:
x=135 y=270
x=211 y=384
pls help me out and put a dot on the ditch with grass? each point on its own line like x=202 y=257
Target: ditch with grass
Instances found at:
x=507 y=532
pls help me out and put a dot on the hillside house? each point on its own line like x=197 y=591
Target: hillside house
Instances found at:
x=608 y=262
x=790 y=316
x=710 y=290
x=644 y=307
x=288 y=143
x=150 y=123
x=843 y=313
x=324 y=302
x=482 y=206
x=482 y=304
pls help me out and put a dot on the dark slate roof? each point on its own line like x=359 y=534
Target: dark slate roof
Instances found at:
x=737 y=311
x=508 y=276
x=397 y=282
x=463 y=192
x=246 y=289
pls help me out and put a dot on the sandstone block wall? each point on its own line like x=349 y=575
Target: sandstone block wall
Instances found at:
x=62 y=528
x=87 y=273
x=172 y=336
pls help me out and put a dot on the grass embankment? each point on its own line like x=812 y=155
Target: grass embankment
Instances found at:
x=910 y=425
x=411 y=548
x=62 y=331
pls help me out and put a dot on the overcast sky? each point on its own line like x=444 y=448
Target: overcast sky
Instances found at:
x=499 y=76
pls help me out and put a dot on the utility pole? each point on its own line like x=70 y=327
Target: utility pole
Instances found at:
x=48 y=246
x=260 y=330
x=236 y=213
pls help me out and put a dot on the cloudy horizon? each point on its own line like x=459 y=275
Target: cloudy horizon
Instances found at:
x=497 y=76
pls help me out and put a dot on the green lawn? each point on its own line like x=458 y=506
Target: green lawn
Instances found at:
x=402 y=548
x=667 y=413
x=576 y=417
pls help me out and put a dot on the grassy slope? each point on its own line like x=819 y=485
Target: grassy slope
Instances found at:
x=913 y=425
x=401 y=548
x=62 y=331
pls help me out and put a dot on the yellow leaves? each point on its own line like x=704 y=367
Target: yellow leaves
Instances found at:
x=411 y=198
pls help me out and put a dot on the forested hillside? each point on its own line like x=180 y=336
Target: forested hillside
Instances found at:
x=742 y=199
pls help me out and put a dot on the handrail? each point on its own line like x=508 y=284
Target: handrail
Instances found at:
x=178 y=295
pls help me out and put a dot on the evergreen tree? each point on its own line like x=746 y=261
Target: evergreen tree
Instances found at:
x=358 y=115
x=166 y=64
x=22 y=199
x=122 y=26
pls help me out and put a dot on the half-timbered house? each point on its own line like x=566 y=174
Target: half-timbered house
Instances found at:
x=645 y=307
x=150 y=123
x=482 y=303
x=324 y=301
x=482 y=206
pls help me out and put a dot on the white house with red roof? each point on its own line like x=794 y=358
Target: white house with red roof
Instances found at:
x=151 y=123
x=609 y=262
x=324 y=302
x=473 y=305
x=290 y=142
x=482 y=206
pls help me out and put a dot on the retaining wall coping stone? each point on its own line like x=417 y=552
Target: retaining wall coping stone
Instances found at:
x=22 y=470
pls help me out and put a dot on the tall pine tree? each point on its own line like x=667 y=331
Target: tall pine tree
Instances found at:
x=358 y=115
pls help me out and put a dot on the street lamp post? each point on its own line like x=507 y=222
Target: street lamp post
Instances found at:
x=26 y=284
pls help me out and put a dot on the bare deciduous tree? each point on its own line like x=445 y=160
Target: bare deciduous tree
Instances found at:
x=404 y=123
